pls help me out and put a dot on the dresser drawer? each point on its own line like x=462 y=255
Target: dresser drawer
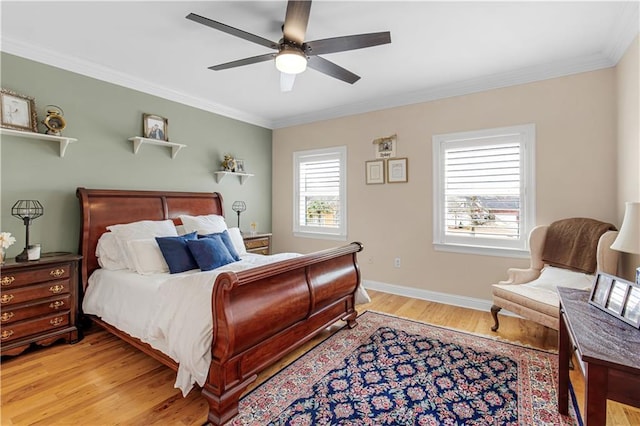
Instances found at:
x=12 y=279
x=12 y=313
x=257 y=243
x=39 y=291
x=26 y=328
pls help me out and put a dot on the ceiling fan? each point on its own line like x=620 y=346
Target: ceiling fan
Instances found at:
x=293 y=53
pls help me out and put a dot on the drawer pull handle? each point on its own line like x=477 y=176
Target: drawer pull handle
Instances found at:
x=6 y=316
x=56 y=288
x=56 y=321
x=6 y=334
x=57 y=273
x=6 y=298
x=7 y=281
x=57 y=304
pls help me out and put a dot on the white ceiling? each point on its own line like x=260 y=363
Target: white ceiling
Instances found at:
x=438 y=49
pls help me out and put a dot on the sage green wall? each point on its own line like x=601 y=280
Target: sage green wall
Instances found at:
x=102 y=116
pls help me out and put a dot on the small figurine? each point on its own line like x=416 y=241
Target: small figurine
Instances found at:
x=229 y=164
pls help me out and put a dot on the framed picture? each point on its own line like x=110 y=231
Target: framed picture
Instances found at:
x=385 y=147
x=374 y=172
x=617 y=297
x=155 y=127
x=397 y=170
x=18 y=111
x=240 y=166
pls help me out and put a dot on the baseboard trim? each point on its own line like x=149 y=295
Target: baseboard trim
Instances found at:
x=433 y=296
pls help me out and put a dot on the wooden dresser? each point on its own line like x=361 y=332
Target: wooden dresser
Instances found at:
x=258 y=243
x=38 y=302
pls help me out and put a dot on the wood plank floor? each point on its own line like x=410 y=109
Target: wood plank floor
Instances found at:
x=104 y=381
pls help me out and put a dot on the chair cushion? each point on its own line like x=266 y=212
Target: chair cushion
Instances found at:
x=541 y=294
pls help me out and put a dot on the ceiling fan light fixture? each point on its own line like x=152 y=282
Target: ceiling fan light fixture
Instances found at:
x=291 y=61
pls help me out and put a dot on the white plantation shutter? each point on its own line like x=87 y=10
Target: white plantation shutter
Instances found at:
x=320 y=193
x=483 y=188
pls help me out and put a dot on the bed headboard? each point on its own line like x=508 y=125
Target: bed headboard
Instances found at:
x=103 y=207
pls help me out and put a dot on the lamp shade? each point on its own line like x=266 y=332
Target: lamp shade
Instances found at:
x=628 y=239
x=27 y=209
x=291 y=61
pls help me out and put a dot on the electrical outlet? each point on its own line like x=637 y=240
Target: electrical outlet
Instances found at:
x=396 y=262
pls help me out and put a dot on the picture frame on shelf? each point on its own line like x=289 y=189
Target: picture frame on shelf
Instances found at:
x=155 y=127
x=18 y=112
x=240 y=166
x=374 y=172
x=617 y=297
x=397 y=170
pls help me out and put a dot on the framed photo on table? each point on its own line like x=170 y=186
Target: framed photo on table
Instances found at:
x=18 y=111
x=155 y=127
x=617 y=297
x=374 y=172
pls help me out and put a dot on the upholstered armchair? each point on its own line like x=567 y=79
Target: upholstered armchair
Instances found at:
x=531 y=293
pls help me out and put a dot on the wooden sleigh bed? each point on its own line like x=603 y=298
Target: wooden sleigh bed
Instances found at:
x=289 y=301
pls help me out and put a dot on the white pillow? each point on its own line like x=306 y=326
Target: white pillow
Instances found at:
x=147 y=257
x=552 y=277
x=108 y=253
x=237 y=240
x=141 y=230
x=203 y=225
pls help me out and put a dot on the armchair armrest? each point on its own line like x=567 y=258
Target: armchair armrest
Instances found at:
x=520 y=276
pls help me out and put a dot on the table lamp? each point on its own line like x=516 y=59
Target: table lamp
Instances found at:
x=27 y=210
x=239 y=207
x=628 y=239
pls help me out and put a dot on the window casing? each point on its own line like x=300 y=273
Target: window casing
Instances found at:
x=484 y=190
x=320 y=193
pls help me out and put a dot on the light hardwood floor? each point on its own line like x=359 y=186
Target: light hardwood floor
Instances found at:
x=104 y=381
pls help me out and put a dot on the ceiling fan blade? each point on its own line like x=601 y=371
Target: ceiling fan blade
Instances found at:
x=286 y=81
x=341 y=44
x=245 y=61
x=296 y=20
x=327 y=67
x=233 y=31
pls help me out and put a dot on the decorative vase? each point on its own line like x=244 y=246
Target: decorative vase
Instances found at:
x=3 y=253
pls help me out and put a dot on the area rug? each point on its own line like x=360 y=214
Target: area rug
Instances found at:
x=394 y=371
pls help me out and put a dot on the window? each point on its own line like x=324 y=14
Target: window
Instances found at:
x=484 y=197
x=320 y=193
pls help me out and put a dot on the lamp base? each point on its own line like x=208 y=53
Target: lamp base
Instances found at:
x=23 y=257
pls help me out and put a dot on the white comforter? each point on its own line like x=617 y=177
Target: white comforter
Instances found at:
x=172 y=313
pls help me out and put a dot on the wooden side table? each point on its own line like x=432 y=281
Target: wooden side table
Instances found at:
x=38 y=301
x=608 y=352
x=258 y=243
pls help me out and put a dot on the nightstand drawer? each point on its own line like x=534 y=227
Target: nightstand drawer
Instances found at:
x=20 y=329
x=14 y=279
x=257 y=243
x=40 y=291
x=11 y=314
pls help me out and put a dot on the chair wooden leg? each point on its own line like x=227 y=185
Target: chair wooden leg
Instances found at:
x=494 y=313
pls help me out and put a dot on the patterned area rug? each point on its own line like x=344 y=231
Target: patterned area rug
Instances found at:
x=393 y=371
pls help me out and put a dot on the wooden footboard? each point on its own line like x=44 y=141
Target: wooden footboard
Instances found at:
x=264 y=313
x=259 y=315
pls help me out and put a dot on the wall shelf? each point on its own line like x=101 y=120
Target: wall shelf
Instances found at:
x=139 y=141
x=242 y=176
x=62 y=140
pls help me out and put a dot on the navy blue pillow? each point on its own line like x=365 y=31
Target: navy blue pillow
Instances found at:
x=210 y=253
x=226 y=239
x=176 y=253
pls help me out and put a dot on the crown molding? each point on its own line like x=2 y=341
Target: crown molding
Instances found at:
x=475 y=85
x=100 y=72
x=624 y=32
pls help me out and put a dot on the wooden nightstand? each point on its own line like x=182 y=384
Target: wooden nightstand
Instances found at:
x=38 y=302
x=257 y=243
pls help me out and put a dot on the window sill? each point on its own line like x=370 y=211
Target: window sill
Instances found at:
x=483 y=251
x=318 y=236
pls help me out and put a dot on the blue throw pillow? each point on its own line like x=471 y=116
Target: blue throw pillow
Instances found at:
x=176 y=253
x=210 y=253
x=226 y=239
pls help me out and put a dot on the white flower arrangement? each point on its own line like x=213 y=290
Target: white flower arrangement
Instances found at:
x=6 y=240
